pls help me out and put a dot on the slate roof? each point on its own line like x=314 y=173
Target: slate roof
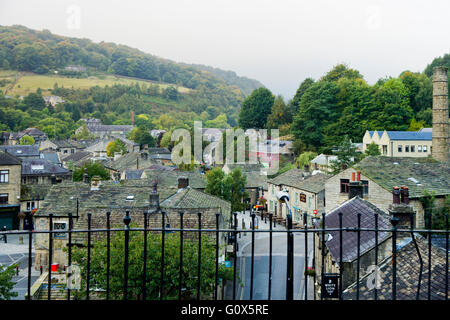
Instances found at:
x=256 y=179
x=50 y=156
x=247 y=167
x=33 y=191
x=410 y=135
x=77 y=156
x=161 y=156
x=22 y=150
x=158 y=151
x=301 y=180
x=107 y=128
x=350 y=209
x=131 y=160
x=170 y=178
x=189 y=198
x=61 y=198
x=48 y=168
x=69 y=144
x=390 y=171
x=9 y=159
x=33 y=132
x=321 y=159
x=408 y=271
x=133 y=174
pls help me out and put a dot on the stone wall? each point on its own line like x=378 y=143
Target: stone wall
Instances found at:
x=12 y=188
x=377 y=195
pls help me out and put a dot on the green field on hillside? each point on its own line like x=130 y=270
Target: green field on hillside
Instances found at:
x=29 y=82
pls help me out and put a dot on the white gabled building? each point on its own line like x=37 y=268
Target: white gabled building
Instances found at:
x=414 y=144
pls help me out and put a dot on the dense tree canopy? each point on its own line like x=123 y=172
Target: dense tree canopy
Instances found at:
x=255 y=109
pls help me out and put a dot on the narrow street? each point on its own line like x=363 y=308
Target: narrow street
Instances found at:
x=261 y=263
x=14 y=252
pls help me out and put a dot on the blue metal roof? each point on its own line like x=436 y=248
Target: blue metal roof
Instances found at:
x=410 y=135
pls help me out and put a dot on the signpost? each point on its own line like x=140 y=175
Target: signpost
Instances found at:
x=330 y=285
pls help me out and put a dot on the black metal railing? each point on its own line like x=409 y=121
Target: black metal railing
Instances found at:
x=192 y=236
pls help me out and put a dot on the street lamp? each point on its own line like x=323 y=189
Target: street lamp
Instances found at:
x=283 y=196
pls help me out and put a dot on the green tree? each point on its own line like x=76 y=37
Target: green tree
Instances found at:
x=305 y=158
x=318 y=108
x=341 y=71
x=92 y=169
x=6 y=283
x=346 y=156
x=214 y=182
x=115 y=146
x=26 y=140
x=279 y=114
x=234 y=189
x=153 y=275
x=294 y=104
x=84 y=134
x=372 y=150
x=141 y=136
x=255 y=109
x=416 y=125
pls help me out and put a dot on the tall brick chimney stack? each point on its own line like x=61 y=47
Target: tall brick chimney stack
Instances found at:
x=400 y=207
x=441 y=139
x=355 y=187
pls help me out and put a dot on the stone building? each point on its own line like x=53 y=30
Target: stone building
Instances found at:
x=416 y=144
x=96 y=127
x=136 y=196
x=349 y=210
x=306 y=193
x=40 y=171
x=441 y=138
x=13 y=138
x=10 y=173
x=22 y=151
x=380 y=174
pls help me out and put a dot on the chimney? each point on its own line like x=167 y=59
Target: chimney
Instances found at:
x=95 y=183
x=400 y=207
x=183 y=182
x=132 y=118
x=440 y=138
x=355 y=187
x=85 y=176
x=154 y=197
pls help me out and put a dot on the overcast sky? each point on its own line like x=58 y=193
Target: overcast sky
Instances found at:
x=278 y=42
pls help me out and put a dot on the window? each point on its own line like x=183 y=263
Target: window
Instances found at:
x=406 y=148
x=365 y=184
x=4 y=176
x=424 y=148
x=271 y=206
x=65 y=151
x=72 y=150
x=413 y=148
x=384 y=149
x=30 y=205
x=400 y=148
x=4 y=198
x=344 y=185
x=419 y=148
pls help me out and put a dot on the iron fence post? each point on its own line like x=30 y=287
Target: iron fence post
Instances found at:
x=126 y=221
x=290 y=259
x=88 y=276
x=394 y=222
x=50 y=255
